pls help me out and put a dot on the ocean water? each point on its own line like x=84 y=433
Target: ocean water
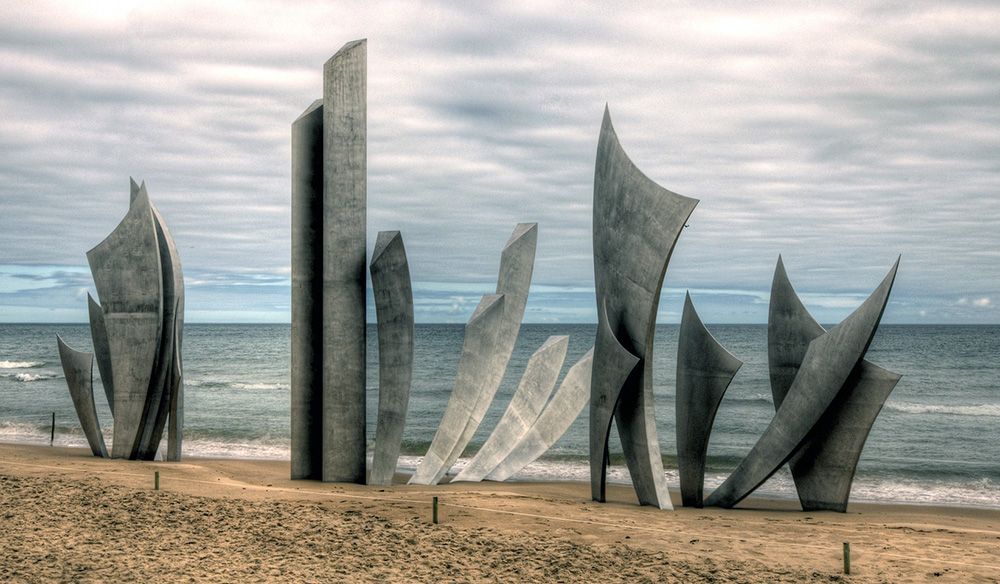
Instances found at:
x=937 y=441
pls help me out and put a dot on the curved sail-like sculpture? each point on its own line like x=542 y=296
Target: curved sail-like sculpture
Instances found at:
x=128 y=275
x=478 y=349
x=534 y=389
x=79 y=369
x=826 y=366
x=102 y=352
x=704 y=371
x=560 y=413
x=481 y=371
x=636 y=224
x=823 y=469
x=394 y=312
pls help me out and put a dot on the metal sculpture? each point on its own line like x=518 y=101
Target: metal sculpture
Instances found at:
x=823 y=468
x=482 y=366
x=329 y=201
x=78 y=366
x=559 y=414
x=704 y=371
x=636 y=225
x=136 y=331
x=394 y=312
x=826 y=367
x=534 y=389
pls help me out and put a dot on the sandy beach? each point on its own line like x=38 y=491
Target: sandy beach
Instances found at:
x=67 y=516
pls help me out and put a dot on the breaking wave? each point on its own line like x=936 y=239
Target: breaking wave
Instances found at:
x=991 y=410
x=20 y=364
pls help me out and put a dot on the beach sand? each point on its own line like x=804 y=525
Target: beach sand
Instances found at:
x=67 y=516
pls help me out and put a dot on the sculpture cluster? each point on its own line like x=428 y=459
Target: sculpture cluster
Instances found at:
x=136 y=331
x=825 y=394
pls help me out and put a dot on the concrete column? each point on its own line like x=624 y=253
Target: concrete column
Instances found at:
x=78 y=367
x=307 y=294
x=344 y=265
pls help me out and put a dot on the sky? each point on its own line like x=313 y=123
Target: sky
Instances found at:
x=838 y=135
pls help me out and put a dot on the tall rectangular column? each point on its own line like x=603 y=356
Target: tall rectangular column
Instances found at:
x=344 y=262
x=307 y=294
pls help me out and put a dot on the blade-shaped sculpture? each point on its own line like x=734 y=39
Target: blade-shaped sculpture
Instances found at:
x=704 y=371
x=394 y=312
x=480 y=372
x=102 y=352
x=78 y=366
x=129 y=280
x=636 y=225
x=525 y=406
x=560 y=413
x=478 y=349
x=823 y=469
x=826 y=367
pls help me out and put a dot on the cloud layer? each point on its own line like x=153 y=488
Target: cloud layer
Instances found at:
x=838 y=137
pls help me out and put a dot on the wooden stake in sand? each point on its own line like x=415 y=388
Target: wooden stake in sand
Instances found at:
x=156 y=480
x=847 y=557
x=52 y=437
x=435 y=514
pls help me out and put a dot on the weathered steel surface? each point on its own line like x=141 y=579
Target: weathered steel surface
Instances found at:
x=345 y=186
x=102 y=352
x=826 y=367
x=533 y=391
x=704 y=371
x=394 y=311
x=560 y=413
x=78 y=367
x=636 y=225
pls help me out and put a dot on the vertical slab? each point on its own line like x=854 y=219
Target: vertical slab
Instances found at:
x=516 y=265
x=558 y=415
x=533 y=391
x=478 y=349
x=704 y=371
x=129 y=280
x=823 y=468
x=826 y=367
x=344 y=240
x=307 y=295
x=394 y=311
x=99 y=336
x=78 y=367
x=175 y=423
x=636 y=225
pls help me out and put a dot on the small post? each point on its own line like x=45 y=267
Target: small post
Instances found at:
x=156 y=480
x=847 y=557
x=435 y=516
x=52 y=436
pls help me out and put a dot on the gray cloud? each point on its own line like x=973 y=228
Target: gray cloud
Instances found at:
x=838 y=136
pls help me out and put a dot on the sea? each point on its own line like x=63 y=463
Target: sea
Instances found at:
x=936 y=441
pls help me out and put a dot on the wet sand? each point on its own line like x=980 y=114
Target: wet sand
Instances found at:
x=66 y=516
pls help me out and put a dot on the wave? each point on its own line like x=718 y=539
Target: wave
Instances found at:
x=991 y=410
x=229 y=384
x=258 y=386
x=28 y=377
x=20 y=364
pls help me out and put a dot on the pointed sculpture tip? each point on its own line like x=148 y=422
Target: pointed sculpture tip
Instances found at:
x=382 y=243
x=486 y=304
x=316 y=104
x=348 y=47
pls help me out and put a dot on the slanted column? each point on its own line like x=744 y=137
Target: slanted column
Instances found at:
x=344 y=263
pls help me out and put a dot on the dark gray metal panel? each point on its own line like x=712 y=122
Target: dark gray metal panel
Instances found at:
x=162 y=383
x=478 y=356
x=129 y=280
x=307 y=295
x=534 y=389
x=175 y=424
x=394 y=311
x=558 y=415
x=101 y=350
x=78 y=368
x=826 y=367
x=823 y=468
x=616 y=367
x=344 y=239
x=704 y=371
x=636 y=225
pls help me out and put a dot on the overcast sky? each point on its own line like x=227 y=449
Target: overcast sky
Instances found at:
x=837 y=136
